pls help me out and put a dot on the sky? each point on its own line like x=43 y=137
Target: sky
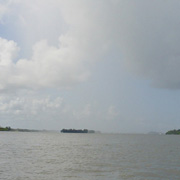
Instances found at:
x=106 y=65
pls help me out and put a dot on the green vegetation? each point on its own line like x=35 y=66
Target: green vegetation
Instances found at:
x=176 y=132
x=5 y=129
x=17 y=130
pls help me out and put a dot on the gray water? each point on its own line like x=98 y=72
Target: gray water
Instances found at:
x=55 y=156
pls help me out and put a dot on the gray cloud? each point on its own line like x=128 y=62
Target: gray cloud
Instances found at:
x=151 y=41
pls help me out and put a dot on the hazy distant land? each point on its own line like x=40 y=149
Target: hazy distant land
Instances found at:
x=19 y=130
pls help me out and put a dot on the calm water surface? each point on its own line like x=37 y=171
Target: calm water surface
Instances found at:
x=55 y=156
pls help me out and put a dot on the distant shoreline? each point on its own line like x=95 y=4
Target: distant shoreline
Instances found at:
x=9 y=129
x=20 y=130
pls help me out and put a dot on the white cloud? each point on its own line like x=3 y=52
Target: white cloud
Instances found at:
x=57 y=66
x=146 y=33
x=51 y=67
x=20 y=105
x=8 y=52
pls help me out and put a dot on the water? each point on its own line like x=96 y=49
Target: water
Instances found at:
x=55 y=156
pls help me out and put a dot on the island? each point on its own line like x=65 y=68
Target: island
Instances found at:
x=173 y=132
x=77 y=131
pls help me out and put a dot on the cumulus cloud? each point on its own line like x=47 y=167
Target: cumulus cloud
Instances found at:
x=145 y=33
x=61 y=65
x=51 y=67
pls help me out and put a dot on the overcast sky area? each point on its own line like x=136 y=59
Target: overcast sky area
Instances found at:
x=108 y=65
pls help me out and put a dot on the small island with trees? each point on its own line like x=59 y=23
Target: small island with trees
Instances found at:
x=77 y=131
x=173 y=132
